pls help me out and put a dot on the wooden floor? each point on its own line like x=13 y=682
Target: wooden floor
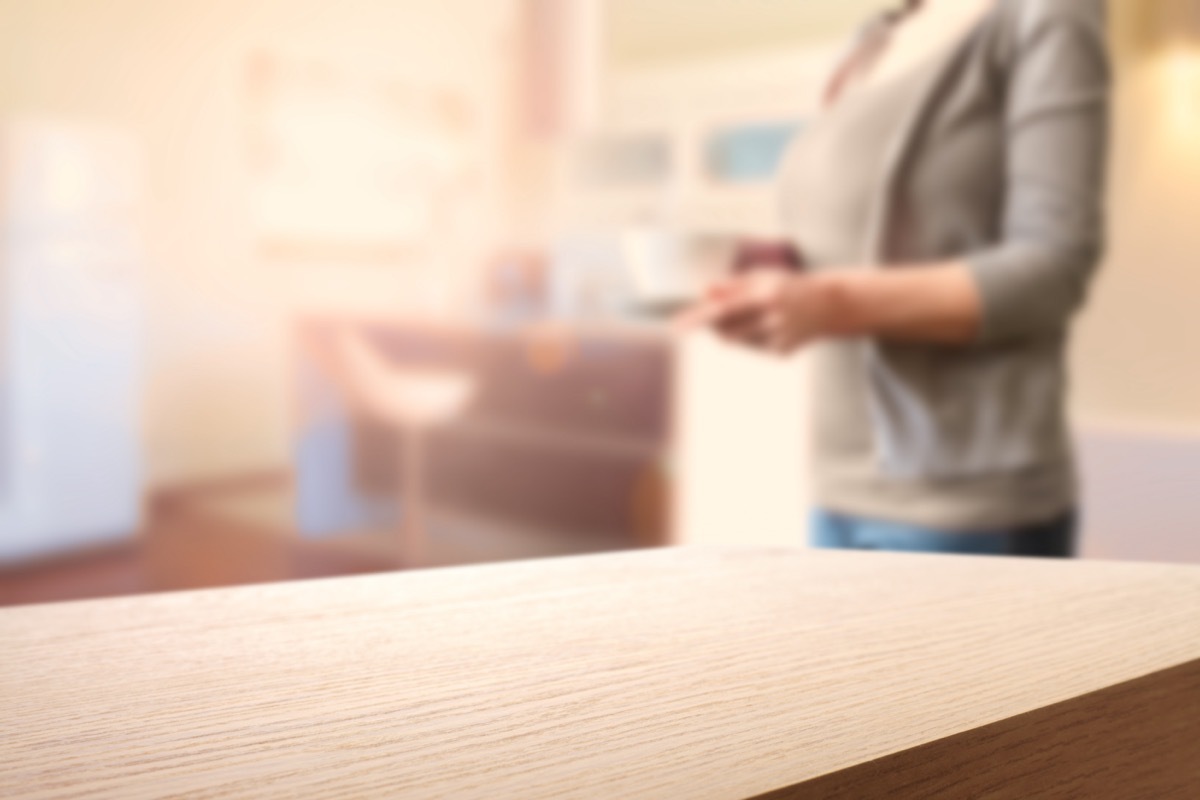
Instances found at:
x=193 y=545
x=246 y=534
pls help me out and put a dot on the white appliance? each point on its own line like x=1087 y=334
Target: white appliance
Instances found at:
x=70 y=466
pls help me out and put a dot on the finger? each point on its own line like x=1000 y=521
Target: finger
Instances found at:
x=787 y=341
x=722 y=290
x=739 y=317
x=756 y=330
x=749 y=339
x=777 y=332
x=781 y=345
x=745 y=331
x=701 y=315
x=747 y=302
x=740 y=299
x=707 y=313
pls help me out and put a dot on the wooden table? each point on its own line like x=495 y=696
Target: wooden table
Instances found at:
x=666 y=674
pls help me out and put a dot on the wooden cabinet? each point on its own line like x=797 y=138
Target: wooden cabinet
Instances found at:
x=566 y=437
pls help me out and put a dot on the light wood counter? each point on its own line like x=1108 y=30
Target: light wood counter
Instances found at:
x=667 y=674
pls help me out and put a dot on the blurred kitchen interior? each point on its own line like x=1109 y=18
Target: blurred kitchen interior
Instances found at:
x=295 y=288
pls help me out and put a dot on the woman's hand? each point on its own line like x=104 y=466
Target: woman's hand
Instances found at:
x=779 y=312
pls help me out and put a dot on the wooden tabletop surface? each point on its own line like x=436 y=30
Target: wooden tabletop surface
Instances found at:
x=690 y=673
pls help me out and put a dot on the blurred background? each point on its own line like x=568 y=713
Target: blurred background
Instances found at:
x=292 y=289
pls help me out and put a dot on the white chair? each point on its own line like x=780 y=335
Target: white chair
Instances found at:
x=412 y=401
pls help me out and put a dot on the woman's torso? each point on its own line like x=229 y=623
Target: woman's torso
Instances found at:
x=831 y=190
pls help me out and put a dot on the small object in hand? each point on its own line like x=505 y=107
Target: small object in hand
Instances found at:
x=755 y=254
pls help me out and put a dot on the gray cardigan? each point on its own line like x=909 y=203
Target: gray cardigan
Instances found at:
x=1001 y=165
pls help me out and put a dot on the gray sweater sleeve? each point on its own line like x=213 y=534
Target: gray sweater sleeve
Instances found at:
x=1056 y=140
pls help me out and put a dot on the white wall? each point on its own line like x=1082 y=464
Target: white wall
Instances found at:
x=171 y=72
x=650 y=32
x=742 y=447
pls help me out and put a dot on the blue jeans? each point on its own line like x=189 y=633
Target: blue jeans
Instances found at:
x=1053 y=539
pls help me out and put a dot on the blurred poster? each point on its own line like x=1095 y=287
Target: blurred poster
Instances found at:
x=348 y=164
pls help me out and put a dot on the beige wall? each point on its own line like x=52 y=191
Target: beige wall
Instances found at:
x=1138 y=355
x=218 y=379
x=646 y=32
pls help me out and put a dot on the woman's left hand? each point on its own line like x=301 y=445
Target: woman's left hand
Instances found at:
x=771 y=310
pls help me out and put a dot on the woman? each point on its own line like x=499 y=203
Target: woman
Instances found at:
x=949 y=205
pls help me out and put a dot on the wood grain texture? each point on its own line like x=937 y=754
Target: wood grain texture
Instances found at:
x=674 y=673
x=1139 y=739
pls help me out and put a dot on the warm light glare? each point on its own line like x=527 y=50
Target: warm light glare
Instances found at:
x=1180 y=76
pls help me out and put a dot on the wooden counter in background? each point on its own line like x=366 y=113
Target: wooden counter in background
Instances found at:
x=698 y=673
x=565 y=438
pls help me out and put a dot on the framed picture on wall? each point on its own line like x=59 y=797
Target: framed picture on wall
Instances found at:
x=349 y=164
